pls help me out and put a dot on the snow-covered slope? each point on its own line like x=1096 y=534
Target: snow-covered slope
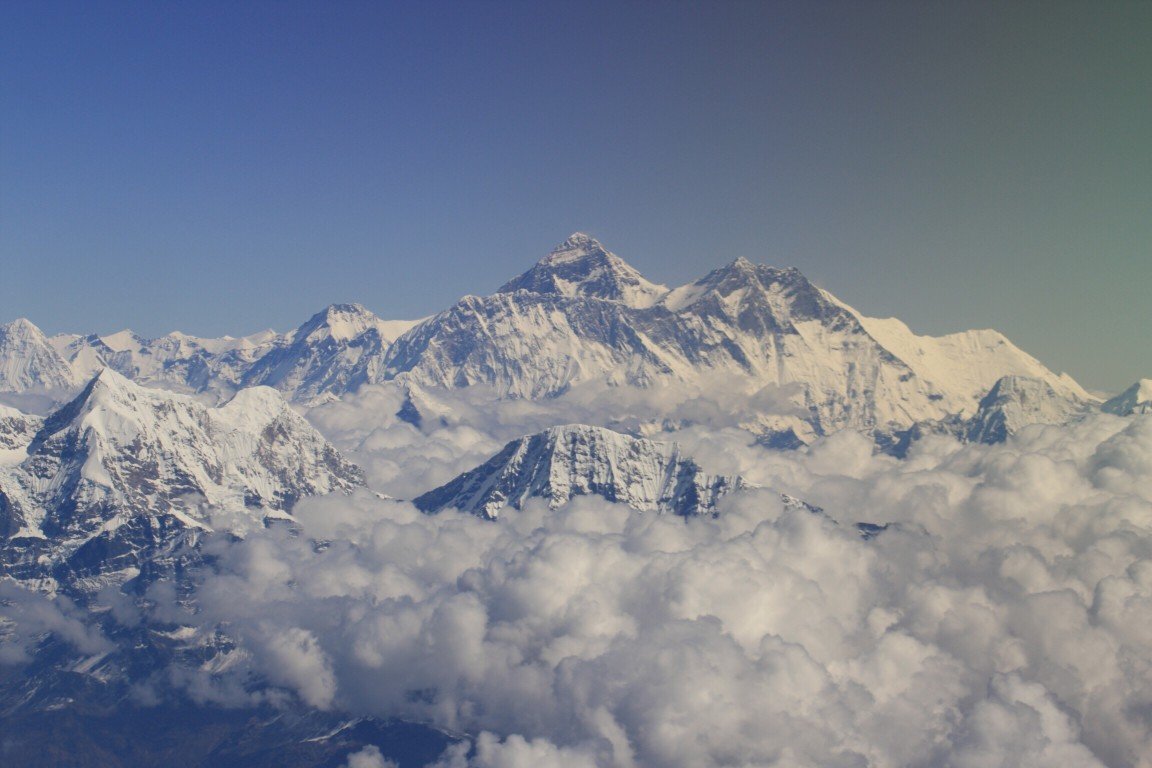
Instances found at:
x=582 y=315
x=579 y=460
x=581 y=267
x=29 y=363
x=16 y=431
x=965 y=364
x=1137 y=399
x=122 y=472
x=751 y=326
x=1015 y=402
x=336 y=351
x=175 y=361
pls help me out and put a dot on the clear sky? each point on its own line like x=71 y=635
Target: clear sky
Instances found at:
x=226 y=167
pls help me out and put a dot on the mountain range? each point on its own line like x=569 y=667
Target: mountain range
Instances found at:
x=141 y=451
x=123 y=476
x=583 y=315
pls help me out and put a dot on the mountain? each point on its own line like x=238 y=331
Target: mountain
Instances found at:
x=583 y=315
x=16 y=429
x=28 y=361
x=581 y=267
x=336 y=351
x=1137 y=399
x=1015 y=402
x=568 y=321
x=125 y=476
x=578 y=460
x=175 y=361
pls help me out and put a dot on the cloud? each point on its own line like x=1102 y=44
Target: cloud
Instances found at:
x=1004 y=619
x=369 y=757
x=27 y=618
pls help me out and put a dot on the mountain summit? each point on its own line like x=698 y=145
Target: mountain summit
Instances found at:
x=579 y=460
x=1137 y=399
x=582 y=267
x=582 y=315
x=123 y=472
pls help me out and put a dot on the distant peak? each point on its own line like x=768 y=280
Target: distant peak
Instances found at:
x=578 y=246
x=342 y=322
x=110 y=380
x=578 y=240
x=1136 y=399
x=349 y=308
x=21 y=327
x=582 y=267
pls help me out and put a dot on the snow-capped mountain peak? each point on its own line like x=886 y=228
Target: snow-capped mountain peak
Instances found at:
x=758 y=294
x=28 y=361
x=1015 y=402
x=337 y=349
x=340 y=322
x=122 y=470
x=1137 y=399
x=582 y=267
x=580 y=460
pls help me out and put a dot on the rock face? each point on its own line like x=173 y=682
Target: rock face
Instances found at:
x=124 y=476
x=582 y=314
x=1135 y=400
x=17 y=429
x=578 y=460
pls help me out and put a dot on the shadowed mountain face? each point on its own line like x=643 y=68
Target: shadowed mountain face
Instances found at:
x=1135 y=400
x=578 y=460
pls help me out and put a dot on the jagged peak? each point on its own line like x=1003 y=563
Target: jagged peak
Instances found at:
x=577 y=241
x=582 y=267
x=1019 y=386
x=21 y=328
x=741 y=281
x=342 y=322
x=581 y=460
x=108 y=381
x=1136 y=399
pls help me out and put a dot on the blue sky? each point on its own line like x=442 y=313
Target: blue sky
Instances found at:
x=222 y=168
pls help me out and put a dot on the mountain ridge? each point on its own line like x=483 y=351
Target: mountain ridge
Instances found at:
x=582 y=314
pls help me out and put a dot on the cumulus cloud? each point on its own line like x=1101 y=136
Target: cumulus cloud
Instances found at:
x=459 y=429
x=369 y=757
x=1002 y=620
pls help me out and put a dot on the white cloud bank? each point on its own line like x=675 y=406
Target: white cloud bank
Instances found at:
x=1006 y=620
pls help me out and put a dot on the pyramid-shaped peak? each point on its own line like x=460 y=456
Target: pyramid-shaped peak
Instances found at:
x=581 y=267
x=21 y=328
x=109 y=386
x=580 y=460
x=342 y=322
x=580 y=247
x=1137 y=399
x=577 y=241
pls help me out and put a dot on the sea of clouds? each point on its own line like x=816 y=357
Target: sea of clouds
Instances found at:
x=1003 y=619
